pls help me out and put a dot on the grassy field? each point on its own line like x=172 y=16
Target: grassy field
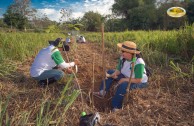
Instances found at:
x=170 y=54
x=157 y=46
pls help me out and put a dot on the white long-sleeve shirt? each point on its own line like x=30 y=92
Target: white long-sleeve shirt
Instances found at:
x=47 y=59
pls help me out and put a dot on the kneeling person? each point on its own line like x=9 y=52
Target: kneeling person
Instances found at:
x=47 y=59
x=123 y=72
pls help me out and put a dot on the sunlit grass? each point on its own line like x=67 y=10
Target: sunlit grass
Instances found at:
x=157 y=46
x=19 y=46
x=161 y=48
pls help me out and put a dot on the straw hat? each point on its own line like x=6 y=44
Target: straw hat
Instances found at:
x=128 y=46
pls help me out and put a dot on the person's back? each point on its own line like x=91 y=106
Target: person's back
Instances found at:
x=44 y=69
x=43 y=61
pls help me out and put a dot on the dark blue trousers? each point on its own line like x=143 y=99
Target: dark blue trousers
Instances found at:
x=121 y=89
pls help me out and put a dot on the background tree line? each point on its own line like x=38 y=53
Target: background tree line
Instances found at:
x=127 y=15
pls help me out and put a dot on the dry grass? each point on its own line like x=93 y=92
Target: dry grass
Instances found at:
x=167 y=101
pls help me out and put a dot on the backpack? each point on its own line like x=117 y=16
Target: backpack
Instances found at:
x=89 y=120
x=148 y=71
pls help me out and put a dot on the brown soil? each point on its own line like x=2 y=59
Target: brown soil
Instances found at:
x=167 y=100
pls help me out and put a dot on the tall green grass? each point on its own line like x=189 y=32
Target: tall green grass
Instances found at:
x=7 y=67
x=19 y=46
x=47 y=116
x=156 y=46
x=4 y=118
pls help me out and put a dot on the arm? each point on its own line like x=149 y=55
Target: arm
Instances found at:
x=115 y=74
x=65 y=65
x=133 y=80
x=117 y=71
x=58 y=59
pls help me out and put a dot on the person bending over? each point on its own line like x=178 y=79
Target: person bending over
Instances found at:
x=43 y=68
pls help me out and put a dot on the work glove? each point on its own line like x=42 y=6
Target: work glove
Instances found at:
x=69 y=70
x=76 y=61
x=114 y=76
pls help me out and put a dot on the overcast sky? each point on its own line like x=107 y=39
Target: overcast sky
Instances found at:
x=52 y=7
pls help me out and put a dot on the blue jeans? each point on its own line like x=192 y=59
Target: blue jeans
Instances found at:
x=121 y=89
x=54 y=73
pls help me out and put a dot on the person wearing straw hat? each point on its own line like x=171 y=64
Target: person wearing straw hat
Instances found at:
x=122 y=74
x=43 y=67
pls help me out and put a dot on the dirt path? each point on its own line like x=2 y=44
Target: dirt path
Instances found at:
x=90 y=55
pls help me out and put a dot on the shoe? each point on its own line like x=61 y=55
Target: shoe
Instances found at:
x=42 y=84
x=115 y=109
x=99 y=94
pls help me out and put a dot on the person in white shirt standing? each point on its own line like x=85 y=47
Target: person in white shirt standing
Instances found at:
x=47 y=59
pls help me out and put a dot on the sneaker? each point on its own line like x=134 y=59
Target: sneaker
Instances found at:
x=115 y=109
x=99 y=94
x=42 y=84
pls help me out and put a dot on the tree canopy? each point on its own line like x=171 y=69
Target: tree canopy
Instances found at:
x=13 y=19
x=18 y=13
x=92 y=21
x=127 y=15
x=190 y=12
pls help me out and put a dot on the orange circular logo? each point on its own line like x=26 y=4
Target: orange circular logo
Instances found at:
x=176 y=12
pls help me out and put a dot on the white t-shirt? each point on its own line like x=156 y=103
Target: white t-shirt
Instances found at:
x=126 y=69
x=47 y=59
